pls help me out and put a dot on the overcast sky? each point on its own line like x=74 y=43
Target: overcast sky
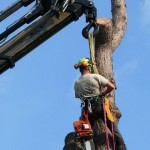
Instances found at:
x=37 y=104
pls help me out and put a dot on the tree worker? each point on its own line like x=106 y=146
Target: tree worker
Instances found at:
x=94 y=86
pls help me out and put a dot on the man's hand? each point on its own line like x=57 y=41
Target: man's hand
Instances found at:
x=108 y=88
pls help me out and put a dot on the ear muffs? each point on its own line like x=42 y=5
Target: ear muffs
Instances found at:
x=76 y=66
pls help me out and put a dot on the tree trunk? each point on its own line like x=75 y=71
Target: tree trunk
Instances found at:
x=103 y=50
x=109 y=37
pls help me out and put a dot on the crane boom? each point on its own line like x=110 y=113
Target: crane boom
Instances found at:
x=14 y=7
x=39 y=31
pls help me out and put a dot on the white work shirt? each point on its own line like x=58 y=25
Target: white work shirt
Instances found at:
x=89 y=85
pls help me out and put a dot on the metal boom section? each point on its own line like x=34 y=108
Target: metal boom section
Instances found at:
x=53 y=19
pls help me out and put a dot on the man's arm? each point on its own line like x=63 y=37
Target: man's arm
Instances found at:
x=108 y=88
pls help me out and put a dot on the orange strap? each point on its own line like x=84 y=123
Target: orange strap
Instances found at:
x=85 y=115
x=108 y=111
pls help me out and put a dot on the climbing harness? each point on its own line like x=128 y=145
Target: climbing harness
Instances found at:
x=83 y=127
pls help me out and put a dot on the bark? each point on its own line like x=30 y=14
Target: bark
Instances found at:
x=109 y=37
x=119 y=21
x=103 y=50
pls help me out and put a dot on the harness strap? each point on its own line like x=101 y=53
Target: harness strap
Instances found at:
x=86 y=105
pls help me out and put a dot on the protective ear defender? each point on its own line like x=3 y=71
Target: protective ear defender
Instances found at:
x=76 y=66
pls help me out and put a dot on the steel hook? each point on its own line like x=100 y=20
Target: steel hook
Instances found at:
x=86 y=30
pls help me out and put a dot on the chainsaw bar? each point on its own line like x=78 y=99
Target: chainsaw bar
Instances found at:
x=87 y=145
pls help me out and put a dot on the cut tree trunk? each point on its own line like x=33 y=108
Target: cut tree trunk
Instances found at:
x=109 y=37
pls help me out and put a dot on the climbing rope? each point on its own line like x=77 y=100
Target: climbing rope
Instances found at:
x=108 y=115
x=106 y=130
x=113 y=135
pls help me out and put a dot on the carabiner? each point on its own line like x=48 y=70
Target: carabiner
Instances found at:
x=86 y=30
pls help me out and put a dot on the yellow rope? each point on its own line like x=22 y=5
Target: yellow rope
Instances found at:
x=92 y=52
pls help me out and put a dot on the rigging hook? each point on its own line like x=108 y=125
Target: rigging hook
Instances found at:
x=86 y=30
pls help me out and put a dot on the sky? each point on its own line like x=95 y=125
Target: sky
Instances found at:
x=37 y=104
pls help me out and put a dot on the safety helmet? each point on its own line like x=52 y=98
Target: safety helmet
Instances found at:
x=83 y=62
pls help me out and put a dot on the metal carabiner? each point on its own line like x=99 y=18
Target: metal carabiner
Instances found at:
x=86 y=30
x=82 y=104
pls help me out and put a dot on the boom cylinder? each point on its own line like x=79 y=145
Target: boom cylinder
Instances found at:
x=14 y=7
x=29 y=17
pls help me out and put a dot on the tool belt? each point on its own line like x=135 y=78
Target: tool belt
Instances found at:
x=91 y=100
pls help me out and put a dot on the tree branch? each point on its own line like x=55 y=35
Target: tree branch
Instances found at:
x=119 y=22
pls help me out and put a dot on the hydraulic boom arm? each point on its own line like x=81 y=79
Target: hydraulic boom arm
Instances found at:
x=55 y=16
x=14 y=7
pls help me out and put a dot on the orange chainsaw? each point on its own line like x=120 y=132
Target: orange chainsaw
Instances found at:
x=83 y=128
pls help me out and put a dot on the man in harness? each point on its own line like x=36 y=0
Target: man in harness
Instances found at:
x=94 y=87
